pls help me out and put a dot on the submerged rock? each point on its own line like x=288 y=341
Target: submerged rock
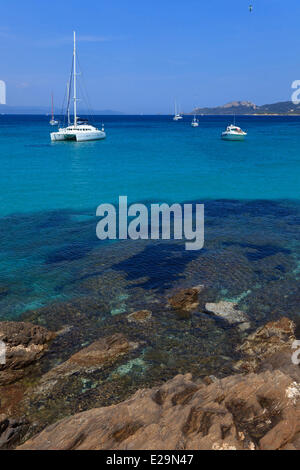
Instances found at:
x=273 y=338
x=256 y=411
x=140 y=316
x=4 y=290
x=186 y=299
x=228 y=311
x=24 y=344
x=101 y=353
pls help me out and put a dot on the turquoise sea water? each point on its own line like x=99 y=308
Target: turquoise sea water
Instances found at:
x=54 y=271
x=147 y=158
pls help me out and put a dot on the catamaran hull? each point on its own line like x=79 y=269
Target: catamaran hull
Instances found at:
x=233 y=137
x=77 y=137
x=55 y=136
x=94 y=136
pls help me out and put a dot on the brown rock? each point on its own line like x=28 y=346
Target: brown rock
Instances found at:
x=25 y=344
x=186 y=299
x=140 y=316
x=256 y=411
x=100 y=353
x=10 y=431
x=272 y=338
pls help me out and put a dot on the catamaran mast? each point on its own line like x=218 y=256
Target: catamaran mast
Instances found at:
x=68 y=101
x=74 y=73
x=52 y=108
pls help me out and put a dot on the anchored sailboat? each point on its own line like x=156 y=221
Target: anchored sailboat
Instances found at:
x=80 y=130
x=177 y=116
x=53 y=121
x=195 y=122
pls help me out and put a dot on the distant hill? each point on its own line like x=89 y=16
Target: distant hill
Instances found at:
x=246 y=107
x=6 y=109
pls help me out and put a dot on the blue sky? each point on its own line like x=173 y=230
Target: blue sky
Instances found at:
x=138 y=56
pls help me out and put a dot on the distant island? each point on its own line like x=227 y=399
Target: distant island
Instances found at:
x=246 y=107
x=282 y=108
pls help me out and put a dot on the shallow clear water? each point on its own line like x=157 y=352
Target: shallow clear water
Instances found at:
x=55 y=272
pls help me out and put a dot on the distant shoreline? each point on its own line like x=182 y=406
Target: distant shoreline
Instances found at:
x=246 y=108
x=244 y=114
x=158 y=114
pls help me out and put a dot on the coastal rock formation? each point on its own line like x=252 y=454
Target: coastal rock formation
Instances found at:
x=24 y=345
x=186 y=299
x=256 y=411
x=272 y=339
x=246 y=107
x=10 y=431
x=97 y=355
x=236 y=104
x=140 y=316
x=228 y=311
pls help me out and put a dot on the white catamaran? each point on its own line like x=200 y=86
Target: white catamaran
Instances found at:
x=80 y=130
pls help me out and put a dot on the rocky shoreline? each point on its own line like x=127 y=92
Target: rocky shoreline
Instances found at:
x=255 y=407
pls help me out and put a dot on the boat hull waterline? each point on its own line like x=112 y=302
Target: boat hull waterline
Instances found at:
x=226 y=136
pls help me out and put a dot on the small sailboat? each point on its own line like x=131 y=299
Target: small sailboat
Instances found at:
x=233 y=132
x=53 y=121
x=80 y=130
x=195 y=122
x=177 y=115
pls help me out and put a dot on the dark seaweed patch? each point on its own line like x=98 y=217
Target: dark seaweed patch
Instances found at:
x=280 y=268
x=161 y=264
x=68 y=253
x=261 y=251
x=256 y=208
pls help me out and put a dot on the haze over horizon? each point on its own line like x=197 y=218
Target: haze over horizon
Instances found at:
x=138 y=57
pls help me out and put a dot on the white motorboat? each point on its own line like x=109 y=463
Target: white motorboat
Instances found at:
x=79 y=131
x=233 y=132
